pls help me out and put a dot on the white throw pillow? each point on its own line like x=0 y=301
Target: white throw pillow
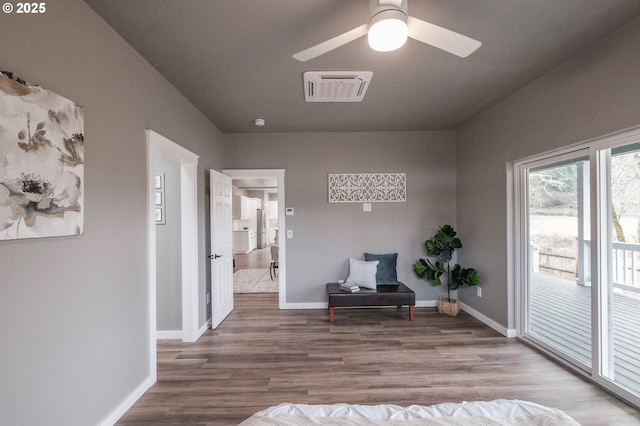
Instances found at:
x=363 y=273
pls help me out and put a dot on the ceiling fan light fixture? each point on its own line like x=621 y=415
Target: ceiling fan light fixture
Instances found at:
x=388 y=30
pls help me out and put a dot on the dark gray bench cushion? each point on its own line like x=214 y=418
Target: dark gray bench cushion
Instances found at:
x=385 y=295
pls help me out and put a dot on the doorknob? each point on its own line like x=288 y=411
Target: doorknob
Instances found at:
x=214 y=256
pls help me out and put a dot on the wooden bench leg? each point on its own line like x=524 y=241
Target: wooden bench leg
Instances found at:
x=331 y=313
x=412 y=313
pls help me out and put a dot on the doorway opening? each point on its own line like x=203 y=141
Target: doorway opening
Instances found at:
x=186 y=163
x=258 y=217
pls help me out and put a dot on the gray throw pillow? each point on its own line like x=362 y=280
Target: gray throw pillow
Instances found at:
x=362 y=273
x=386 y=273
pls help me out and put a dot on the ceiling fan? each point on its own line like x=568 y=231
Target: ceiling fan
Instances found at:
x=388 y=28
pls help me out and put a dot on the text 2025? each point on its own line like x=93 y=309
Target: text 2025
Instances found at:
x=31 y=7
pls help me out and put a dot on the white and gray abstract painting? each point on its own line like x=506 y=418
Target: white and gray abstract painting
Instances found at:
x=41 y=162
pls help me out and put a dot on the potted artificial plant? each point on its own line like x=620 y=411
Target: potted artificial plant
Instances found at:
x=441 y=247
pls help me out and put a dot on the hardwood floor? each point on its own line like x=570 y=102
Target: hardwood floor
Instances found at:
x=256 y=259
x=261 y=356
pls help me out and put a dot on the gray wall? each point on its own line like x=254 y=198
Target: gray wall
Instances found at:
x=168 y=251
x=326 y=235
x=73 y=310
x=594 y=93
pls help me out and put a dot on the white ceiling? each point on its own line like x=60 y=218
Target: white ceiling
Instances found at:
x=232 y=58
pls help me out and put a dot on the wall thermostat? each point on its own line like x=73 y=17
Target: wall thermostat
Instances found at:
x=288 y=211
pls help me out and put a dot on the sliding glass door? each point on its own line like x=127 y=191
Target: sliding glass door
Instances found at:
x=578 y=262
x=620 y=283
x=557 y=242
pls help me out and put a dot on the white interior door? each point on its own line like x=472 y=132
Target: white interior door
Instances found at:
x=221 y=248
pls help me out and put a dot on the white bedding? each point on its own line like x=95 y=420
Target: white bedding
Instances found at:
x=498 y=412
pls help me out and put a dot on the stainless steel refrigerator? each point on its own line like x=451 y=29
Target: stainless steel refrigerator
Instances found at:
x=261 y=228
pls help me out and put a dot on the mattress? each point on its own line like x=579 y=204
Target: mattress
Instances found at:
x=494 y=413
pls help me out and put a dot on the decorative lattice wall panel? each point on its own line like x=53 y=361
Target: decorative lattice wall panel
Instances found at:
x=367 y=187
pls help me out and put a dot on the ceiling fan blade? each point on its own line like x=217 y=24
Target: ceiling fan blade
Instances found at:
x=441 y=38
x=329 y=45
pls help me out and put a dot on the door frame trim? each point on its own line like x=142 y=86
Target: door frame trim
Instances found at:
x=188 y=161
x=282 y=259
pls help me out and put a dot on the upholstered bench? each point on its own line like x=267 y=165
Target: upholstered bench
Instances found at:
x=385 y=295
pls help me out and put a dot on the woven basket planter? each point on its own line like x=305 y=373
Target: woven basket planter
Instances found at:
x=448 y=308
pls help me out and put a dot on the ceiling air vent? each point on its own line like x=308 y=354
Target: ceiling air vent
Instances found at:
x=336 y=86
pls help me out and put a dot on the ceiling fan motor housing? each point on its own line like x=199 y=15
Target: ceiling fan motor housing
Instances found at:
x=378 y=6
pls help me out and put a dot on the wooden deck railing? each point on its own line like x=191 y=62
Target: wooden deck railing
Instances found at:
x=625 y=265
x=557 y=264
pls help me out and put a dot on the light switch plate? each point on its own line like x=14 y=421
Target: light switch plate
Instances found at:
x=288 y=211
x=366 y=207
x=289 y=233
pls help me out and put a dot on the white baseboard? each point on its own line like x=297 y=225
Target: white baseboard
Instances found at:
x=177 y=334
x=426 y=303
x=169 y=334
x=507 y=332
x=127 y=403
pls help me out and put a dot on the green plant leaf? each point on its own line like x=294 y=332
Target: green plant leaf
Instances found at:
x=445 y=254
x=433 y=272
x=446 y=233
x=472 y=277
x=433 y=247
x=463 y=277
x=455 y=279
x=420 y=268
x=436 y=280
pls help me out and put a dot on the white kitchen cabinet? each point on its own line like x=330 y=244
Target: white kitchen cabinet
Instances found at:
x=253 y=240
x=241 y=208
x=241 y=242
x=245 y=241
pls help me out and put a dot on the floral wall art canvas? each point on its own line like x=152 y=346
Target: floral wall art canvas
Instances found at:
x=41 y=162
